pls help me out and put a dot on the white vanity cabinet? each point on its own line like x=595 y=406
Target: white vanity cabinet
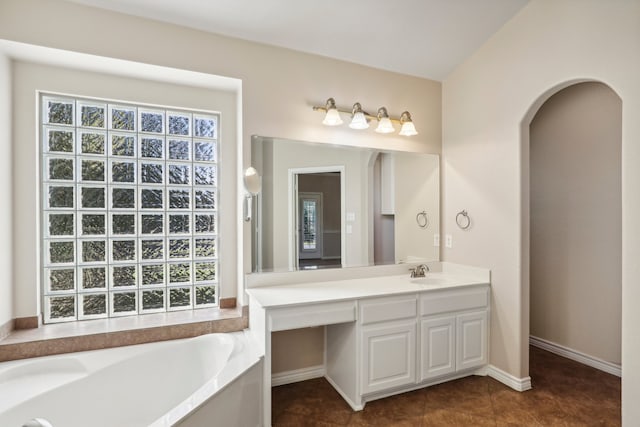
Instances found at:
x=453 y=331
x=383 y=335
x=388 y=343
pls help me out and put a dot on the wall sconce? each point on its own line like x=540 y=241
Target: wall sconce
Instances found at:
x=253 y=185
x=332 y=118
x=384 y=122
x=360 y=119
x=408 y=129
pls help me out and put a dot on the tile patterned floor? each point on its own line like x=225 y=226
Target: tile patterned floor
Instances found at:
x=565 y=393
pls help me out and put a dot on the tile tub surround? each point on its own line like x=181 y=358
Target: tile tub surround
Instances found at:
x=228 y=302
x=565 y=393
x=26 y=322
x=116 y=332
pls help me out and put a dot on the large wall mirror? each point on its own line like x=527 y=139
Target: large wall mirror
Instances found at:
x=329 y=206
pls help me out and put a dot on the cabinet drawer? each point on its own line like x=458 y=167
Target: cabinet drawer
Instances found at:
x=381 y=310
x=285 y=318
x=455 y=300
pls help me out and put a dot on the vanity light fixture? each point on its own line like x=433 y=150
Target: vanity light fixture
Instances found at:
x=360 y=119
x=332 y=118
x=384 y=123
x=408 y=129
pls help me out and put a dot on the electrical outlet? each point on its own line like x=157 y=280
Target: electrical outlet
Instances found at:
x=349 y=229
x=448 y=241
x=436 y=239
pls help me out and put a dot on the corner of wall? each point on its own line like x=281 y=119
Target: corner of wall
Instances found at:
x=6 y=194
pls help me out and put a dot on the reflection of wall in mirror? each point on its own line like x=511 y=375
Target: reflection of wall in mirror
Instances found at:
x=274 y=158
x=383 y=228
x=416 y=181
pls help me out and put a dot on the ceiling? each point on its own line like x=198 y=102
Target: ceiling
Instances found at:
x=424 y=38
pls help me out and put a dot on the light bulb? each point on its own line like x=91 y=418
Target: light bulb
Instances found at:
x=408 y=128
x=359 y=121
x=385 y=126
x=332 y=118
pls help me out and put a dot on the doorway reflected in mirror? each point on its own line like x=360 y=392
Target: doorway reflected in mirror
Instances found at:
x=318 y=220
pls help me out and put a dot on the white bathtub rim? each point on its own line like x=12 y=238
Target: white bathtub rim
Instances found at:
x=87 y=362
x=241 y=358
x=240 y=362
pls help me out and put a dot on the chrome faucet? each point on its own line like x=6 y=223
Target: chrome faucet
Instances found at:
x=420 y=271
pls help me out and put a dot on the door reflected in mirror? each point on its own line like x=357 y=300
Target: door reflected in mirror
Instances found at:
x=318 y=220
x=329 y=206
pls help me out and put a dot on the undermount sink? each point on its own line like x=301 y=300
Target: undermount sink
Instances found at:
x=430 y=280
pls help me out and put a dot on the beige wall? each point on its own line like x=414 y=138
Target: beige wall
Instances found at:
x=6 y=256
x=297 y=349
x=576 y=216
x=488 y=104
x=279 y=86
x=29 y=78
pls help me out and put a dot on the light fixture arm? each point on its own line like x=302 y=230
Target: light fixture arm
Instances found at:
x=350 y=112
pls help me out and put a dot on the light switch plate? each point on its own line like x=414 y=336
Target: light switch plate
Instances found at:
x=351 y=216
x=349 y=229
x=436 y=239
x=448 y=241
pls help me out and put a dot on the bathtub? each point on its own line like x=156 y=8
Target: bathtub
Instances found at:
x=213 y=379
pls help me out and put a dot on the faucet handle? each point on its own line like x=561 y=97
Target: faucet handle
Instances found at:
x=413 y=272
x=421 y=270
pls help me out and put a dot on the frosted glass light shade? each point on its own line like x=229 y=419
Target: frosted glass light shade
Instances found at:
x=359 y=121
x=252 y=181
x=332 y=118
x=408 y=129
x=385 y=126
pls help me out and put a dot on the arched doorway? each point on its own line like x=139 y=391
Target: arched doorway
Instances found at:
x=574 y=224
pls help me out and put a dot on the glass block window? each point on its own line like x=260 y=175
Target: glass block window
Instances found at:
x=129 y=209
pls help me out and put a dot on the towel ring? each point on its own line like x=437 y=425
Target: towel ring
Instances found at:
x=422 y=219
x=463 y=220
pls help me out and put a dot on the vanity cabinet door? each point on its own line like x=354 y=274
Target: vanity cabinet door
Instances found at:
x=437 y=347
x=471 y=340
x=388 y=355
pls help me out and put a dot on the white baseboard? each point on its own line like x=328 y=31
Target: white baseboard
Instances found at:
x=355 y=406
x=518 y=384
x=297 y=375
x=585 y=359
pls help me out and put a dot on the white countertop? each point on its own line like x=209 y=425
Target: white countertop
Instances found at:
x=340 y=290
